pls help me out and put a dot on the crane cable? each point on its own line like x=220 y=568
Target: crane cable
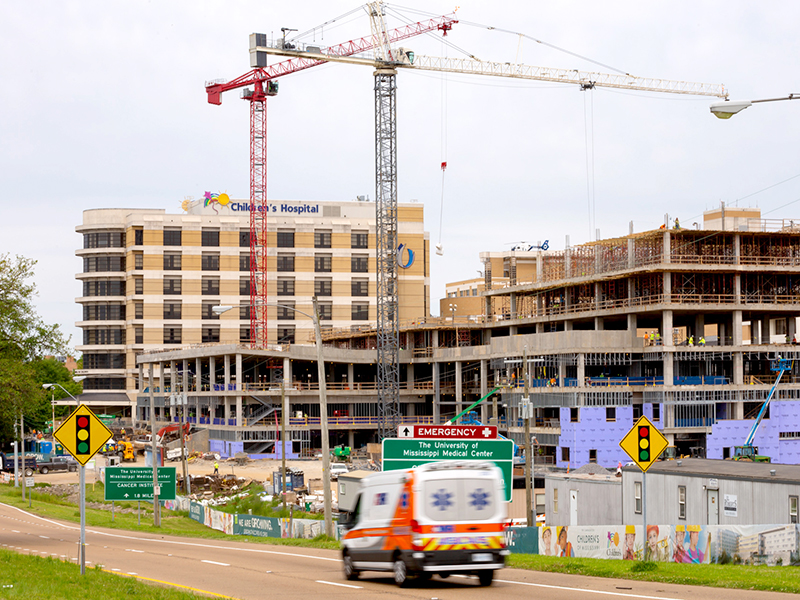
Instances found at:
x=443 y=152
x=588 y=127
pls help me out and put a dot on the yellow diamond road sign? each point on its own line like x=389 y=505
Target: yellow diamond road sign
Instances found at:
x=82 y=434
x=644 y=443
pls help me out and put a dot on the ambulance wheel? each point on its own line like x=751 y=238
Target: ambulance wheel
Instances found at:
x=485 y=577
x=349 y=571
x=400 y=572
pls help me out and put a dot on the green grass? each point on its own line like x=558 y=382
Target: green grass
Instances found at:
x=172 y=522
x=37 y=578
x=778 y=579
x=773 y=579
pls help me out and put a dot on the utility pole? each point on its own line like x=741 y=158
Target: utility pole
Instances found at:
x=283 y=443
x=184 y=407
x=22 y=438
x=528 y=445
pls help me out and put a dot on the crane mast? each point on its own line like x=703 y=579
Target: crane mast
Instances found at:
x=262 y=79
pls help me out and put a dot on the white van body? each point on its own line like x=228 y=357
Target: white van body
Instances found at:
x=438 y=518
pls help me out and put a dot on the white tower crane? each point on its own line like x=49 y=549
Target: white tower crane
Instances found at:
x=386 y=62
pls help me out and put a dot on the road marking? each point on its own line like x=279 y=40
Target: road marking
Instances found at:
x=44 y=537
x=130 y=550
x=355 y=587
x=177 y=585
x=571 y=589
x=131 y=573
x=211 y=562
x=176 y=543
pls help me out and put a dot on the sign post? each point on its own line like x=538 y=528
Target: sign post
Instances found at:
x=644 y=444
x=82 y=434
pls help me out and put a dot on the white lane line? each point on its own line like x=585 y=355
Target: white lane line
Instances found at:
x=14 y=531
x=44 y=537
x=355 y=587
x=132 y=573
x=121 y=569
x=174 y=542
x=211 y=562
x=571 y=589
x=132 y=550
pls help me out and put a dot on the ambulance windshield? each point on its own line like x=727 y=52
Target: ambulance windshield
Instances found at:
x=459 y=499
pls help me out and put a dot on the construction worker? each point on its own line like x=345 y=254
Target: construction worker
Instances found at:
x=691 y=340
x=216 y=468
x=652 y=338
x=702 y=341
x=658 y=339
x=677 y=224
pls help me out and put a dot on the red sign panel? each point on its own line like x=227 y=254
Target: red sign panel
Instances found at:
x=450 y=432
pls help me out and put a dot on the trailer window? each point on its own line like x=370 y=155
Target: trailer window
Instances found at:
x=460 y=499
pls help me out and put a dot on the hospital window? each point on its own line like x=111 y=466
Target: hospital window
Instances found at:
x=656 y=412
x=681 y=501
x=555 y=500
x=564 y=454
x=637 y=497
x=611 y=413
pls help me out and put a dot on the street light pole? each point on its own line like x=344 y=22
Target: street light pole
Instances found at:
x=323 y=409
x=725 y=110
x=528 y=444
x=323 y=404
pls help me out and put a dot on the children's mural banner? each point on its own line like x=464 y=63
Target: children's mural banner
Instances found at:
x=691 y=544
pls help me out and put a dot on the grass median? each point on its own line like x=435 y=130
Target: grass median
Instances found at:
x=777 y=579
x=744 y=577
x=37 y=578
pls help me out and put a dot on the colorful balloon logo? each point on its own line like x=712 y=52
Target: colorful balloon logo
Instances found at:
x=211 y=199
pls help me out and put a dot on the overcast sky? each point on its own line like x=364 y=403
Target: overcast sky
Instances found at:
x=103 y=105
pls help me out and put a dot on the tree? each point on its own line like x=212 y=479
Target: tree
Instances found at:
x=24 y=339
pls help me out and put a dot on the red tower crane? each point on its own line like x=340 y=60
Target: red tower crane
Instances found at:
x=262 y=79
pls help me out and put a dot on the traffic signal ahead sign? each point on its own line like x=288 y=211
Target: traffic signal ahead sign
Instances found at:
x=644 y=443
x=82 y=434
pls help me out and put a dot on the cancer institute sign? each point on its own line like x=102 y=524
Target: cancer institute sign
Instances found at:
x=136 y=483
x=401 y=453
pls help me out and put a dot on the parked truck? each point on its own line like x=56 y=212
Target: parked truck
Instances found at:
x=57 y=463
x=26 y=463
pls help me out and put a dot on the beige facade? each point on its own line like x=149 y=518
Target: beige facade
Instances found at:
x=150 y=279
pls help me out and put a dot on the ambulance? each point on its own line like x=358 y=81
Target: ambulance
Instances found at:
x=438 y=518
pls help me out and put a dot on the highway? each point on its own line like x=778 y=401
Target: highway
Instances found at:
x=249 y=571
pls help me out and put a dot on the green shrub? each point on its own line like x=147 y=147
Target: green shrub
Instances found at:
x=641 y=566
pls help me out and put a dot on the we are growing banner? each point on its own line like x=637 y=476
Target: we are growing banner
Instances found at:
x=751 y=544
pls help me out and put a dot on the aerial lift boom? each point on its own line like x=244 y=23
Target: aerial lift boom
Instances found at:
x=747 y=451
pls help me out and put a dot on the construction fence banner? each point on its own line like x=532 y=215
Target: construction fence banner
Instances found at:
x=522 y=540
x=253 y=525
x=257 y=526
x=690 y=544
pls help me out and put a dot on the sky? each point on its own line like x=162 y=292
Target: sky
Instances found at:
x=104 y=105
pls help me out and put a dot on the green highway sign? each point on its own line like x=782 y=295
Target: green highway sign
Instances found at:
x=402 y=453
x=136 y=483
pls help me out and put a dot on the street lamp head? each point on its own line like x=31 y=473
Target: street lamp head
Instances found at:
x=725 y=110
x=218 y=310
x=47 y=386
x=78 y=378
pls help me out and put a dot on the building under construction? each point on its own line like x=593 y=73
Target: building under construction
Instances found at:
x=675 y=324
